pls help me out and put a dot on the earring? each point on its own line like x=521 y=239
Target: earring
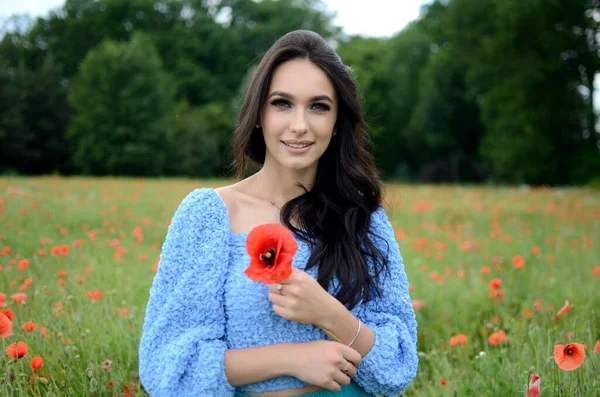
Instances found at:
x=257 y=126
x=334 y=133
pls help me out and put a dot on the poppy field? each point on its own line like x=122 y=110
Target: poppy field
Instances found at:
x=505 y=282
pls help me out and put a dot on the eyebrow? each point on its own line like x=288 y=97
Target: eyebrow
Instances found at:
x=312 y=99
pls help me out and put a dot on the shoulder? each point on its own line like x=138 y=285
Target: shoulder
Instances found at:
x=202 y=208
x=380 y=220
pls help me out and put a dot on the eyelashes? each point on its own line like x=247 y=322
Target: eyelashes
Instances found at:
x=284 y=104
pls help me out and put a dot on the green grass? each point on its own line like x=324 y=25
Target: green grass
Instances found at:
x=447 y=235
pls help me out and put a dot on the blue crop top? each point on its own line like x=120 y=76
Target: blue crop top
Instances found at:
x=201 y=304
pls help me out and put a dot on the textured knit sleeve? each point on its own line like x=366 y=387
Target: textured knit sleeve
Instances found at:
x=182 y=348
x=391 y=364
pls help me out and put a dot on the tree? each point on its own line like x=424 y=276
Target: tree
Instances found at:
x=122 y=101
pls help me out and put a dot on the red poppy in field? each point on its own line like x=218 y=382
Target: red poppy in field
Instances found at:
x=494 y=284
x=596 y=271
x=36 y=362
x=597 y=347
x=8 y=313
x=518 y=261
x=569 y=357
x=19 y=297
x=460 y=339
x=443 y=382
x=271 y=248
x=6 y=326
x=23 y=264
x=417 y=304
x=497 y=337
x=534 y=386
x=17 y=350
x=94 y=295
x=563 y=310
x=30 y=326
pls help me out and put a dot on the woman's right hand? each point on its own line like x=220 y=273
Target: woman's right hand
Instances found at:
x=321 y=362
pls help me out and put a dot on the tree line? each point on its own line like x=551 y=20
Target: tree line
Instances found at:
x=471 y=91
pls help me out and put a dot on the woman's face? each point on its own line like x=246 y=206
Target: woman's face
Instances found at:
x=299 y=115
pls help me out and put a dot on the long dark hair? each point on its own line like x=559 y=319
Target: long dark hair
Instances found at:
x=335 y=215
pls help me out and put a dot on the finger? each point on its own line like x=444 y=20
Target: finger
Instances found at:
x=341 y=378
x=277 y=299
x=351 y=372
x=353 y=356
x=282 y=312
x=333 y=386
x=276 y=288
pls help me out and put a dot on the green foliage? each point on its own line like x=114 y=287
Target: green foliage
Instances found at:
x=32 y=119
x=470 y=91
x=201 y=139
x=122 y=101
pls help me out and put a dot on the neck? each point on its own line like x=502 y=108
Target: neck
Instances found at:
x=279 y=185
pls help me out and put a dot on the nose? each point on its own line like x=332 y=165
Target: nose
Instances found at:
x=298 y=124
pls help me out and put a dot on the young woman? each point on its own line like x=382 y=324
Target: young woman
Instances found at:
x=210 y=330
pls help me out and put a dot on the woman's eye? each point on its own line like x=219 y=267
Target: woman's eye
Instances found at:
x=321 y=106
x=280 y=103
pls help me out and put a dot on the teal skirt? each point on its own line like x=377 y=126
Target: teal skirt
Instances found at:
x=351 y=390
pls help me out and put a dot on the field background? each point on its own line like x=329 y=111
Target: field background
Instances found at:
x=454 y=240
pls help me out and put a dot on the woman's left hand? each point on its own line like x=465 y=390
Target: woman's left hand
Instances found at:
x=301 y=299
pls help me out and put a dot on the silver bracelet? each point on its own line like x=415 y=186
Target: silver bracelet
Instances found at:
x=357 y=332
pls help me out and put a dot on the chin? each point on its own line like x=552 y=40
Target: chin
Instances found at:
x=298 y=164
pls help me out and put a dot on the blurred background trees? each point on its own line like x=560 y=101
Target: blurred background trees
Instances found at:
x=472 y=91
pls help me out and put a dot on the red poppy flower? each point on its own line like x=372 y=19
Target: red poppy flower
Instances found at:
x=17 y=350
x=534 y=386
x=19 y=297
x=6 y=326
x=8 y=313
x=497 y=337
x=569 y=357
x=271 y=248
x=565 y=309
x=460 y=339
x=36 y=362
x=29 y=326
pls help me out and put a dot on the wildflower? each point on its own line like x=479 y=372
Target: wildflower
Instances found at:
x=563 y=310
x=29 y=326
x=106 y=365
x=36 y=362
x=460 y=339
x=6 y=326
x=19 y=297
x=417 y=304
x=518 y=262
x=271 y=248
x=17 y=350
x=569 y=357
x=8 y=313
x=495 y=284
x=497 y=337
x=533 y=390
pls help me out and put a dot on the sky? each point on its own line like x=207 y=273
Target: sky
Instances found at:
x=390 y=16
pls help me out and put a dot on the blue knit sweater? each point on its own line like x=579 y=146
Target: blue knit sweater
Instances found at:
x=201 y=304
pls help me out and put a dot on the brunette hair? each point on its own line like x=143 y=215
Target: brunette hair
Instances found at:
x=335 y=215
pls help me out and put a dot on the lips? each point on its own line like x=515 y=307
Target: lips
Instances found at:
x=297 y=144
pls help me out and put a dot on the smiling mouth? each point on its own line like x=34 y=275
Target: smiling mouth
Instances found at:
x=297 y=145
